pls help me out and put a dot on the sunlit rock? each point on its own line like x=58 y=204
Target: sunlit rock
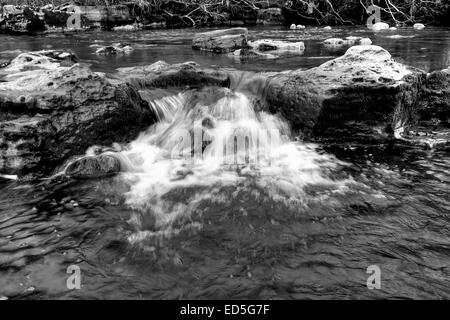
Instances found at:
x=221 y=41
x=327 y=28
x=365 y=88
x=127 y=28
x=418 y=26
x=365 y=41
x=293 y=27
x=277 y=46
x=380 y=26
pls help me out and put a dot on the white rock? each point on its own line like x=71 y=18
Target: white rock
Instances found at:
x=293 y=27
x=380 y=26
x=418 y=26
x=130 y=27
x=365 y=41
x=335 y=42
x=279 y=47
x=300 y=26
x=393 y=28
x=327 y=28
x=352 y=40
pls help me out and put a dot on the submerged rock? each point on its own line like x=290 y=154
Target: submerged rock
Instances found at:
x=338 y=44
x=114 y=49
x=51 y=110
x=89 y=167
x=364 y=87
x=221 y=41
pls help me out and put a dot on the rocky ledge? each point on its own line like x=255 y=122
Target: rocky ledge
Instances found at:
x=52 y=107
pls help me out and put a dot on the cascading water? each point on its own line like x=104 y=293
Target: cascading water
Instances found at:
x=209 y=146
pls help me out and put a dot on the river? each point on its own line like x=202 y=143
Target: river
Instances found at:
x=306 y=224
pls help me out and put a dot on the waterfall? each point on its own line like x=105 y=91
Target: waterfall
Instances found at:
x=207 y=141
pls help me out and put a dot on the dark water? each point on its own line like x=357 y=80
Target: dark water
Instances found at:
x=389 y=207
x=428 y=49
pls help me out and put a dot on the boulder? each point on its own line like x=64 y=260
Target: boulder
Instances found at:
x=181 y=75
x=270 y=49
x=89 y=167
x=380 y=26
x=52 y=108
x=365 y=88
x=418 y=26
x=221 y=41
x=269 y=16
x=277 y=46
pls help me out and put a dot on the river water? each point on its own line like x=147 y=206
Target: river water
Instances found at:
x=305 y=221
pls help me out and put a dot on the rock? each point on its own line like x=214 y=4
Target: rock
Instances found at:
x=337 y=44
x=293 y=27
x=247 y=53
x=380 y=26
x=393 y=28
x=127 y=28
x=93 y=167
x=221 y=41
x=365 y=41
x=114 y=49
x=277 y=47
x=436 y=139
x=300 y=27
x=418 y=26
x=365 y=88
x=51 y=109
x=269 y=16
x=434 y=100
x=181 y=75
x=327 y=28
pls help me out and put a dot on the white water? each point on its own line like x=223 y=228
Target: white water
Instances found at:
x=253 y=152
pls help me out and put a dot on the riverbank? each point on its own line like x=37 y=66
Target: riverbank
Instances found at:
x=130 y=16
